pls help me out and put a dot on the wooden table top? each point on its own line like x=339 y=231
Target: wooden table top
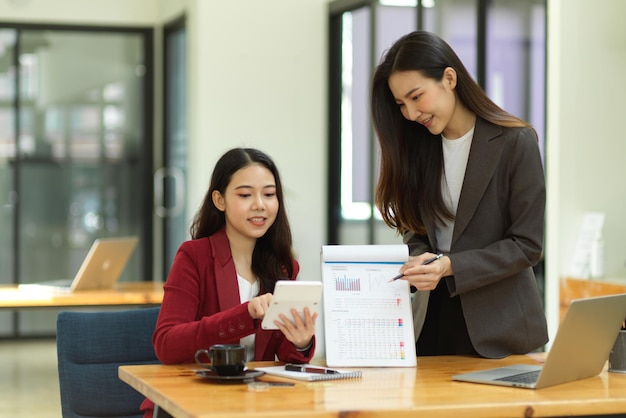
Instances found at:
x=124 y=294
x=425 y=390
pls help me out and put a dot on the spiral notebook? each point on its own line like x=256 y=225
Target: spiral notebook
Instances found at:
x=311 y=377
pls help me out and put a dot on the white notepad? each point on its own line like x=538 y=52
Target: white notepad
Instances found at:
x=310 y=377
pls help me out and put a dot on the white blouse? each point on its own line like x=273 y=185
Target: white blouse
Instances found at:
x=247 y=291
x=455 y=156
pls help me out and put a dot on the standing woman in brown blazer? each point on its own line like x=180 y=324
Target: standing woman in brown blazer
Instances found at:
x=460 y=177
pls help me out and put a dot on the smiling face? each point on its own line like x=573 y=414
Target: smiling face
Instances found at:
x=249 y=203
x=425 y=100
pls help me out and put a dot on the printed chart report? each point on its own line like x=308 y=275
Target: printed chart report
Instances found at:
x=368 y=320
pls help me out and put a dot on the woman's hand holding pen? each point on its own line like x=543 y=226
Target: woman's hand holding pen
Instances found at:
x=424 y=274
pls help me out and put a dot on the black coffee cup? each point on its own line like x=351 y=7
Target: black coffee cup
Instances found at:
x=225 y=359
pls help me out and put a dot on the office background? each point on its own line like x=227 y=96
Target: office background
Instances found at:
x=257 y=74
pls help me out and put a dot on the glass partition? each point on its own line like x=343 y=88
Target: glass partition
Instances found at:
x=502 y=44
x=74 y=147
x=456 y=22
x=516 y=65
x=7 y=154
x=81 y=138
x=361 y=48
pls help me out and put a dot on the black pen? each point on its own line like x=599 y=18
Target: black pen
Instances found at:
x=308 y=369
x=430 y=260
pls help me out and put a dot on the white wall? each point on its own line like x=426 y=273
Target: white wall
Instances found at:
x=258 y=79
x=586 y=144
x=592 y=144
x=260 y=82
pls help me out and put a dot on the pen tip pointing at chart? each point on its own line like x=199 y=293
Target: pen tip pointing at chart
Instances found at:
x=401 y=275
x=393 y=279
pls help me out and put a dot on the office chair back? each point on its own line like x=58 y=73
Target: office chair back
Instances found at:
x=90 y=348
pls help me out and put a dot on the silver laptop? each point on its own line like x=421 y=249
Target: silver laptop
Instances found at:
x=580 y=350
x=101 y=268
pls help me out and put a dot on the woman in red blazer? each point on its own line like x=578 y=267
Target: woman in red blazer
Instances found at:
x=221 y=282
x=462 y=178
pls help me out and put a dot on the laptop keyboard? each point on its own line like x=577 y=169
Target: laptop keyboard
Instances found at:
x=527 y=377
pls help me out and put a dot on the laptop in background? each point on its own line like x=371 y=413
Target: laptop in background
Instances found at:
x=101 y=268
x=580 y=350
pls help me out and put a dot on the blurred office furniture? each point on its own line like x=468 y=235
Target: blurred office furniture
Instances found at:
x=573 y=288
x=90 y=348
x=124 y=295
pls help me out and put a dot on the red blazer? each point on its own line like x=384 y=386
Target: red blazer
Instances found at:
x=201 y=307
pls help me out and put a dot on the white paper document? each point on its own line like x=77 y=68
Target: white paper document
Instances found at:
x=584 y=252
x=368 y=320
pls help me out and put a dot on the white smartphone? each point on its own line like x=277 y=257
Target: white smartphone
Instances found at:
x=291 y=294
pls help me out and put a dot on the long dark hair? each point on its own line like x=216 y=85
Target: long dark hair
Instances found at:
x=272 y=258
x=411 y=157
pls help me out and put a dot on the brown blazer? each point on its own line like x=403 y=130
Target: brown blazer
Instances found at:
x=497 y=239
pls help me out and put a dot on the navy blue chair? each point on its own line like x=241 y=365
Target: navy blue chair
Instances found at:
x=90 y=348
